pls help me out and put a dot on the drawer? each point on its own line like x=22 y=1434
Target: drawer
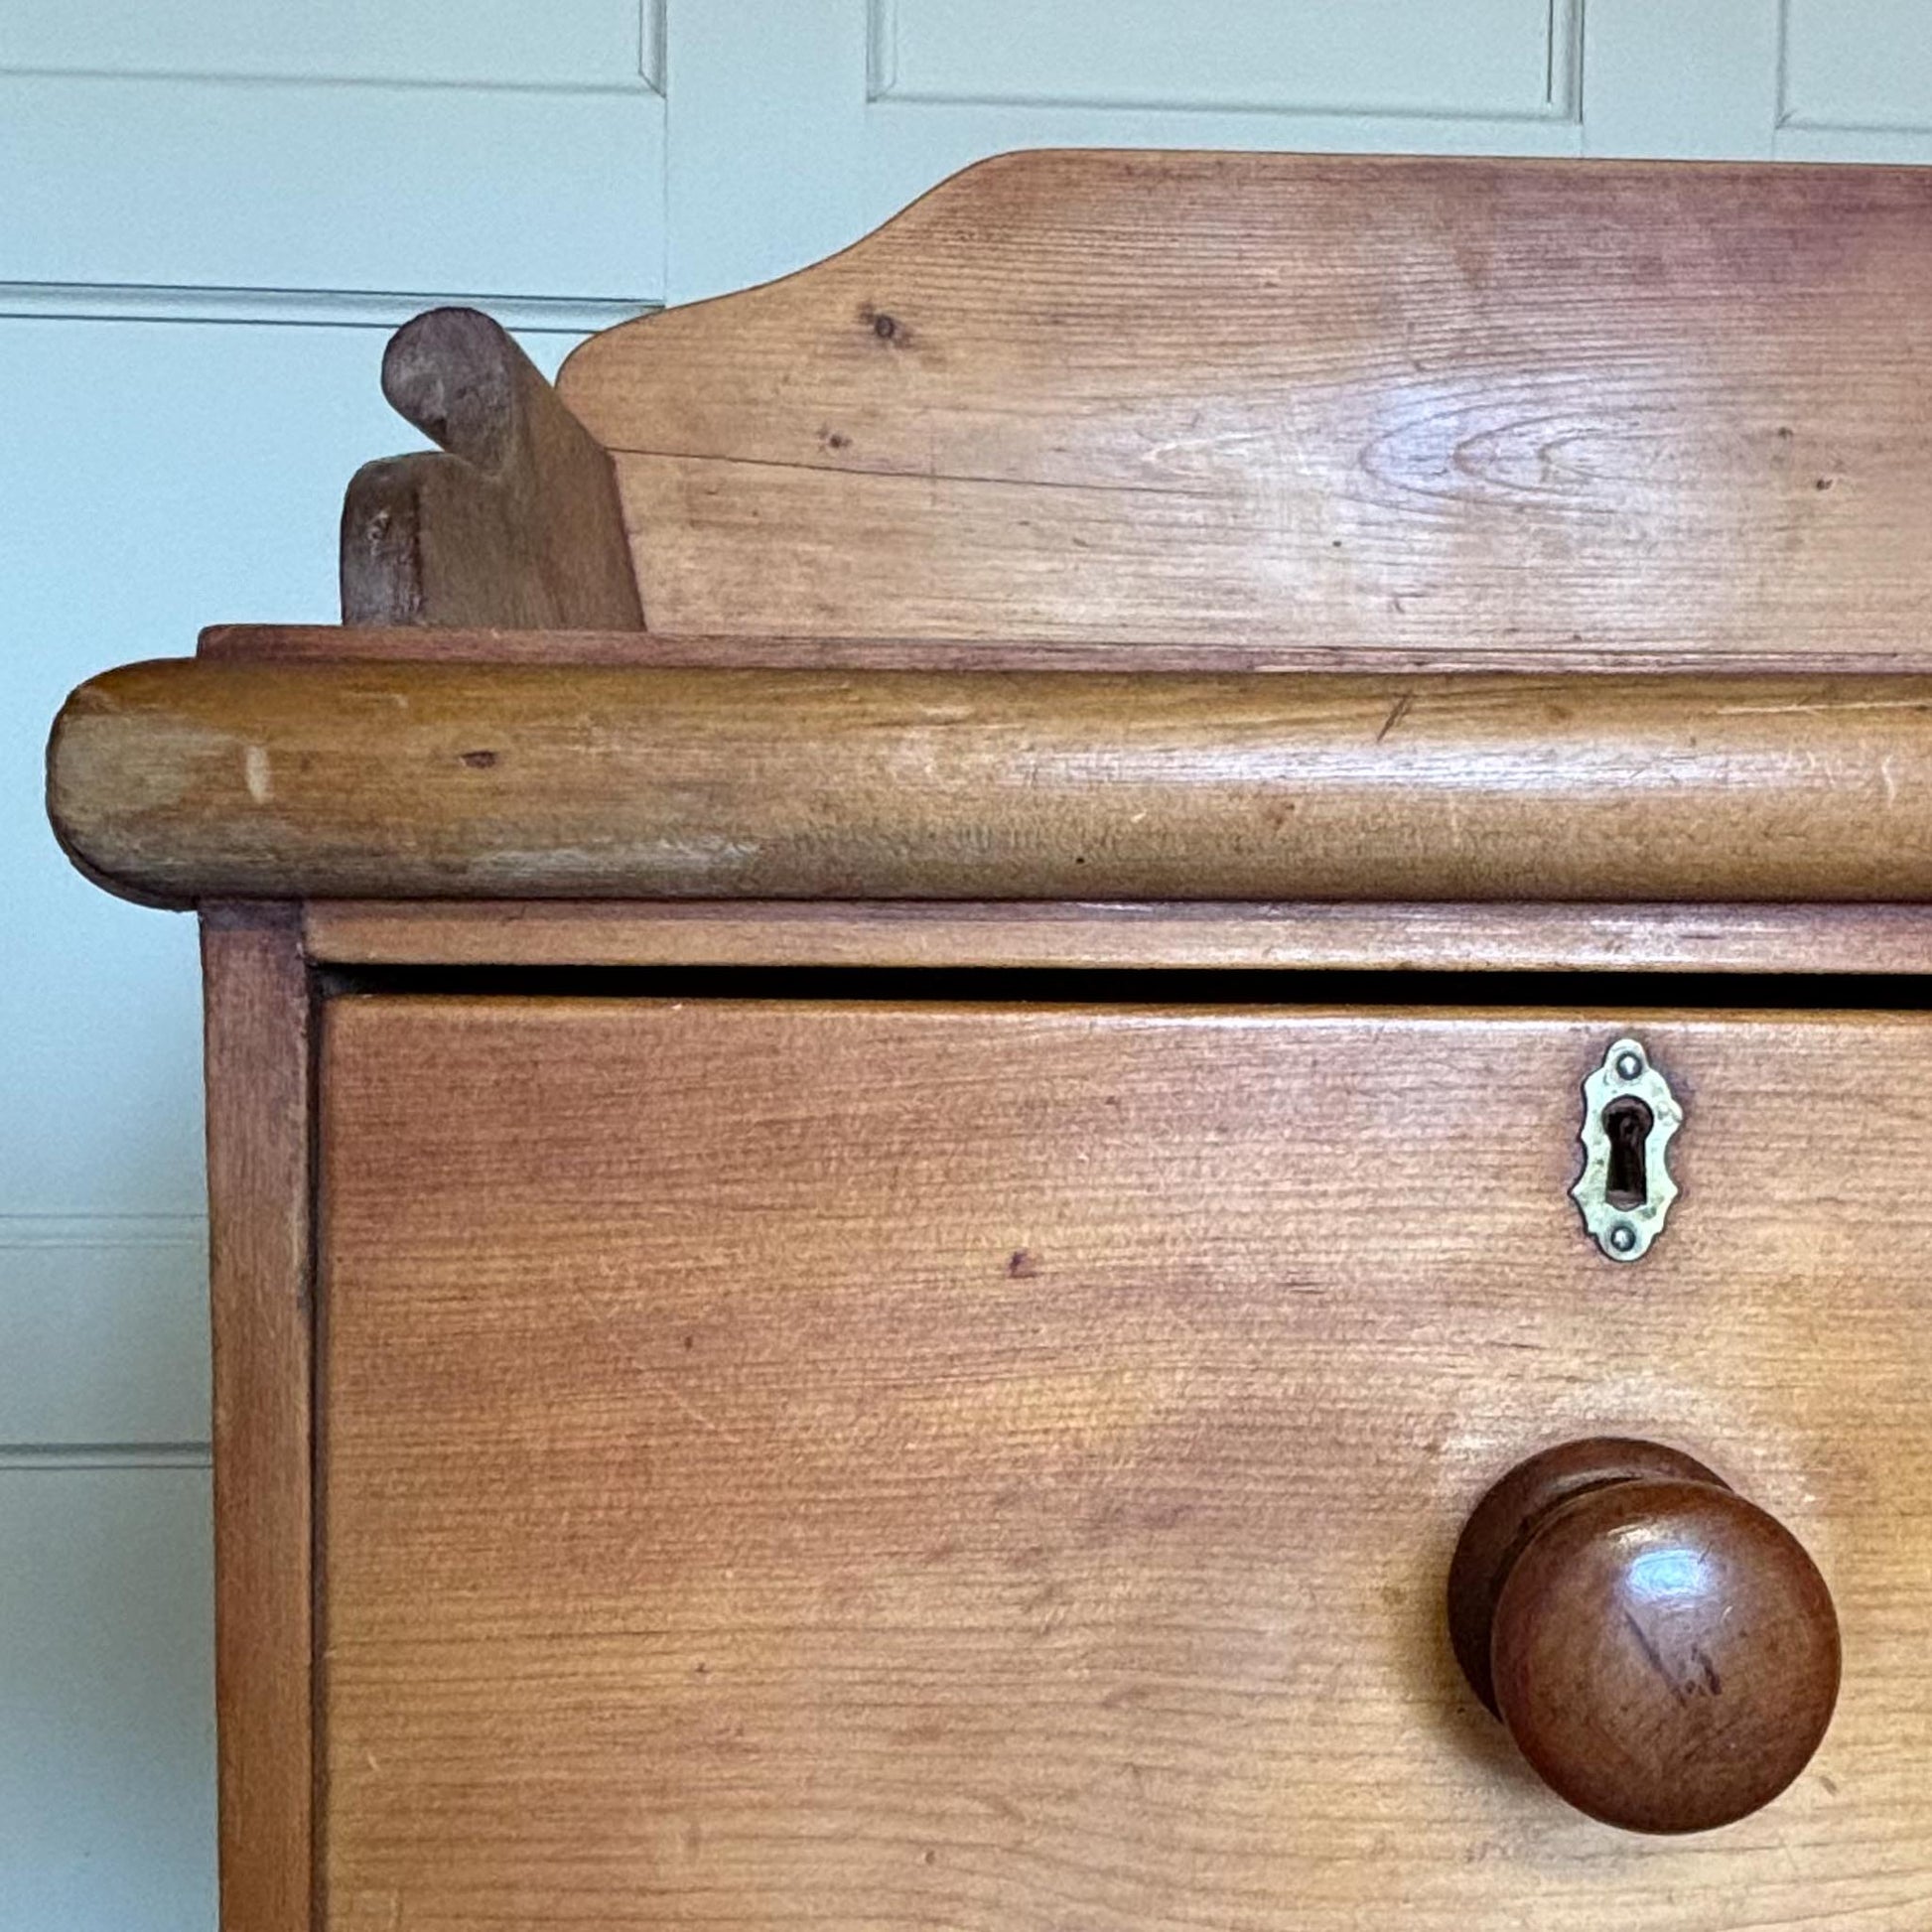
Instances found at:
x=979 y=1465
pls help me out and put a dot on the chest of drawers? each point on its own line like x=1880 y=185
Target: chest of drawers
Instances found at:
x=1028 y=1046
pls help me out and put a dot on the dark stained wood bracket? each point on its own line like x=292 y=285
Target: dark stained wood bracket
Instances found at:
x=517 y=525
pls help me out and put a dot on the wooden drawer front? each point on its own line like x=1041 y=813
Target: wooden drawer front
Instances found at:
x=875 y=1466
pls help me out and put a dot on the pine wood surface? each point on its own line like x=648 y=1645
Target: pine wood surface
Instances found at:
x=992 y=1468
x=1214 y=398
x=259 y=1123
x=974 y=1466
x=196 y=778
x=1286 y=652
x=1887 y=939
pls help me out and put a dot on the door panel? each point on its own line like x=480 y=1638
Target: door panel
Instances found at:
x=874 y=1464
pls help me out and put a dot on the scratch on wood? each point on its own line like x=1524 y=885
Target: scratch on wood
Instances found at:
x=1652 y=1656
x=929 y=472
x=1397 y=712
x=659 y=1378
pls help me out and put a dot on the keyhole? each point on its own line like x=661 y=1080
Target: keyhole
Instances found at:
x=1626 y=1124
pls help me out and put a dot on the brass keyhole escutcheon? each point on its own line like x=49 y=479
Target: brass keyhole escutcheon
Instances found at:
x=1625 y=1189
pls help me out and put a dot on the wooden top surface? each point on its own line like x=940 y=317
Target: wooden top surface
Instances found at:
x=208 y=780
x=1420 y=404
x=1175 y=412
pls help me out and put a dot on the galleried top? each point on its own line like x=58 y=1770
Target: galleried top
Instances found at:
x=1209 y=398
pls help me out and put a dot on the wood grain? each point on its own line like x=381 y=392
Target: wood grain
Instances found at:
x=281 y=643
x=1895 y=939
x=1436 y=404
x=518 y=523
x=800 y=1464
x=202 y=778
x=259 y=1121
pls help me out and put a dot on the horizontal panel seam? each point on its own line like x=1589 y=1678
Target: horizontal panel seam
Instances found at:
x=1253 y=109
x=101 y=1230
x=637 y=88
x=330 y=307
x=19 y=1458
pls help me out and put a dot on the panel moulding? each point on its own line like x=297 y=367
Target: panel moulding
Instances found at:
x=1791 y=115
x=1563 y=84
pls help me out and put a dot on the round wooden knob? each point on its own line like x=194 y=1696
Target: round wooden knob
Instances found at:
x=1664 y=1653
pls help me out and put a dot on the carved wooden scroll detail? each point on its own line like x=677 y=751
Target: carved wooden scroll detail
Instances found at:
x=517 y=525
